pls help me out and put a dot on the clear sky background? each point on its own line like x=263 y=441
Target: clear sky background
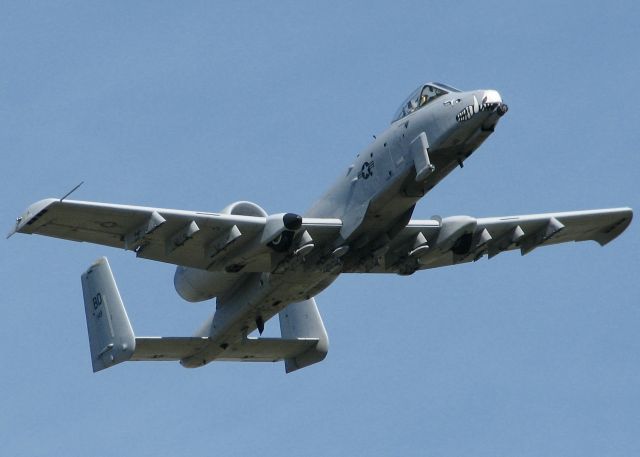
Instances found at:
x=194 y=105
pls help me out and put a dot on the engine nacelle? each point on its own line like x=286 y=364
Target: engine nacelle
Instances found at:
x=196 y=285
x=278 y=233
x=279 y=228
x=244 y=208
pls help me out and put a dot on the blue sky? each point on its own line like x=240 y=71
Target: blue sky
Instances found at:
x=196 y=105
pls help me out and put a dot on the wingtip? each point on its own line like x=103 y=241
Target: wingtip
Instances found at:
x=616 y=229
x=31 y=215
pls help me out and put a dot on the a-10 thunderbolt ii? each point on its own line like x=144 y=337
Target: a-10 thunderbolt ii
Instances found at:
x=258 y=265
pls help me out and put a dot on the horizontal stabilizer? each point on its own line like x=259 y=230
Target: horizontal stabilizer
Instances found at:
x=167 y=348
x=267 y=349
x=112 y=340
x=247 y=350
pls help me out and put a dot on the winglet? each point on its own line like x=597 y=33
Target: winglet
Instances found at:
x=111 y=337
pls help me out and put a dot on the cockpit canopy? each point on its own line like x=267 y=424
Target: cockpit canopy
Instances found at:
x=421 y=97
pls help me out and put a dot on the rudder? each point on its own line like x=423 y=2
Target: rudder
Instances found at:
x=111 y=338
x=302 y=320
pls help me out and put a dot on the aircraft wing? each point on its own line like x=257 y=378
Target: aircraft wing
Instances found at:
x=440 y=242
x=204 y=240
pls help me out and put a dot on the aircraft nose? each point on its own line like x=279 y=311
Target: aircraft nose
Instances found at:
x=492 y=99
x=491 y=96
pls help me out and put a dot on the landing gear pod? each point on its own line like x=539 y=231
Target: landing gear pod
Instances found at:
x=455 y=233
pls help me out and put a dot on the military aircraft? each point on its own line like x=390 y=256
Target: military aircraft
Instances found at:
x=258 y=265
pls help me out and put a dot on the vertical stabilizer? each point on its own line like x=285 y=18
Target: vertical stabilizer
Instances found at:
x=299 y=321
x=111 y=337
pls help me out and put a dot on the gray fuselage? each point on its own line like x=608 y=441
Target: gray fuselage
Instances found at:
x=434 y=131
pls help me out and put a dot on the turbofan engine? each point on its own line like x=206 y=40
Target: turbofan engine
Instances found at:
x=196 y=285
x=279 y=231
x=244 y=208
